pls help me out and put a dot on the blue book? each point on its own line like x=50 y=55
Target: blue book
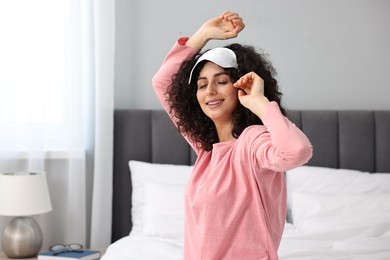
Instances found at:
x=82 y=255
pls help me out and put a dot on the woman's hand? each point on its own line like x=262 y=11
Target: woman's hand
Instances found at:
x=251 y=93
x=226 y=26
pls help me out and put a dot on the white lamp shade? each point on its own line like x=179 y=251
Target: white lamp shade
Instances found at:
x=24 y=194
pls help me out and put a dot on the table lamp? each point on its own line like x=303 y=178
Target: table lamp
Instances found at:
x=23 y=194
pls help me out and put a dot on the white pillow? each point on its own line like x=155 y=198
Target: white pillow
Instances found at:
x=142 y=172
x=326 y=212
x=337 y=181
x=164 y=210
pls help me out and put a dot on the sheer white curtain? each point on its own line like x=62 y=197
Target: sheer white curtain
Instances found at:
x=104 y=12
x=56 y=110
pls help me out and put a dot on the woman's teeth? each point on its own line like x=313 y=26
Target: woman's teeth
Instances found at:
x=214 y=103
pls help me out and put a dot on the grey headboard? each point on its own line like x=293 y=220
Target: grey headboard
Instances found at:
x=341 y=139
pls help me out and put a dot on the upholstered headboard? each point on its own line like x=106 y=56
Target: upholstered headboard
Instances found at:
x=341 y=139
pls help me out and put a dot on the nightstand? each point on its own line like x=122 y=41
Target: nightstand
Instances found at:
x=3 y=256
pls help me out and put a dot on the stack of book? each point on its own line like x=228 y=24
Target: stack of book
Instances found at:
x=70 y=255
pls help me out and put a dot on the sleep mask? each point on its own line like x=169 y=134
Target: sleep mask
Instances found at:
x=223 y=57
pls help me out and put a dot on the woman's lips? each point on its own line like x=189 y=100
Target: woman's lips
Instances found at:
x=213 y=103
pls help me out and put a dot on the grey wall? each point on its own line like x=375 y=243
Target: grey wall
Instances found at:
x=329 y=54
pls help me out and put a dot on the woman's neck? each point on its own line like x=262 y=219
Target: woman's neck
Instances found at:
x=224 y=132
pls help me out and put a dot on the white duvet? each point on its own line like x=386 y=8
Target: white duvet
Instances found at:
x=357 y=241
x=139 y=247
x=337 y=215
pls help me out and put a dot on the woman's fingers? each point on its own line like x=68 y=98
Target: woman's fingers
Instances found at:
x=235 y=19
x=245 y=80
x=250 y=81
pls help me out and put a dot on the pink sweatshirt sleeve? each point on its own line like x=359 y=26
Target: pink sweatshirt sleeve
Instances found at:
x=282 y=146
x=162 y=80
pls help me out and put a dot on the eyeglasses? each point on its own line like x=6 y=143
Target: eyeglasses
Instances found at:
x=60 y=248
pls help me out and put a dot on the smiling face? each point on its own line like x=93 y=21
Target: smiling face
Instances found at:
x=216 y=95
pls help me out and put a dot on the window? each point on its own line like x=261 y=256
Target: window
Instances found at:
x=39 y=95
x=32 y=62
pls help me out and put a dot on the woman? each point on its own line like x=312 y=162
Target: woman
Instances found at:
x=226 y=103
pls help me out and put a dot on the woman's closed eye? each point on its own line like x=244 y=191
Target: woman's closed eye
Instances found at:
x=222 y=82
x=219 y=82
x=202 y=85
x=222 y=79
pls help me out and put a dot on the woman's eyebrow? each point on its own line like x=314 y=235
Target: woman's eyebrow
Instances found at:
x=215 y=75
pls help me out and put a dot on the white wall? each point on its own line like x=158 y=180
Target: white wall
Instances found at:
x=329 y=54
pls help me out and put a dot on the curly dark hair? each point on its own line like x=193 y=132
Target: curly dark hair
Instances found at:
x=184 y=105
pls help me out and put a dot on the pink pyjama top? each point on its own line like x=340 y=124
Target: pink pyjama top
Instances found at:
x=235 y=200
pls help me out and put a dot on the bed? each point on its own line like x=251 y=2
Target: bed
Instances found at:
x=338 y=203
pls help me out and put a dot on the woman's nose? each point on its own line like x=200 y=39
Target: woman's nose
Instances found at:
x=211 y=89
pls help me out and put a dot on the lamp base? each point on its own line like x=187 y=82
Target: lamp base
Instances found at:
x=22 y=238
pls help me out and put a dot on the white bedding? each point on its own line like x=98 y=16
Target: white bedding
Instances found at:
x=139 y=247
x=337 y=214
x=353 y=242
